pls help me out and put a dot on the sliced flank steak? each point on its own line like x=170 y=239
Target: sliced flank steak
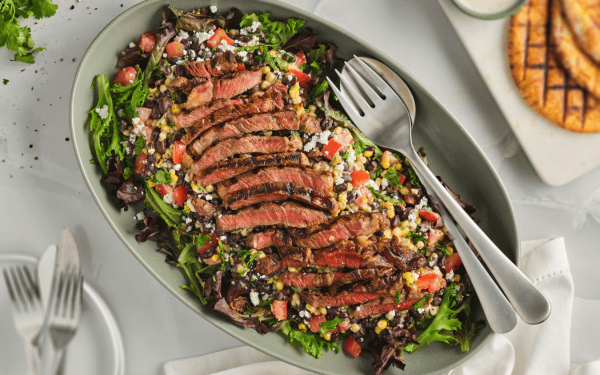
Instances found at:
x=280 y=120
x=308 y=280
x=215 y=67
x=294 y=256
x=340 y=228
x=236 y=83
x=350 y=254
x=188 y=119
x=319 y=299
x=261 y=101
x=248 y=145
x=271 y=237
x=233 y=167
x=203 y=207
x=386 y=304
x=288 y=214
x=315 y=180
x=403 y=259
x=279 y=191
x=201 y=94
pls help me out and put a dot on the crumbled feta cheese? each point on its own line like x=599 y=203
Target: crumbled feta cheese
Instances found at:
x=168 y=198
x=177 y=167
x=202 y=36
x=351 y=156
x=164 y=55
x=420 y=311
x=140 y=216
x=339 y=180
x=384 y=183
x=450 y=275
x=208 y=197
x=422 y=203
x=213 y=9
x=255 y=25
x=103 y=112
x=135 y=121
x=254 y=298
x=188 y=220
x=242 y=54
x=339 y=167
x=187 y=178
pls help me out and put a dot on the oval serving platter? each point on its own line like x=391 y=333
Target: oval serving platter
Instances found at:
x=451 y=152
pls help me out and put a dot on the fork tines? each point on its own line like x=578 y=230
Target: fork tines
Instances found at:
x=23 y=290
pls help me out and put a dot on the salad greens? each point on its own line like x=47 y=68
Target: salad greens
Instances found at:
x=171 y=216
x=311 y=342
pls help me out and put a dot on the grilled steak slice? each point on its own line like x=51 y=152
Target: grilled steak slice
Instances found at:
x=386 y=304
x=200 y=95
x=233 y=167
x=386 y=285
x=202 y=207
x=246 y=145
x=403 y=258
x=261 y=101
x=319 y=299
x=198 y=69
x=349 y=254
x=222 y=64
x=340 y=228
x=287 y=214
x=308 y=280
x=270 y=237
x=280 y=120
x=278 y=191
x=268 y=264
x=188 y=119
x=236 y=83
x=356 y=275
x=295 y=257
x=315 y=180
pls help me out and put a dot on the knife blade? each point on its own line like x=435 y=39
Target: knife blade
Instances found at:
x=68 y=255
x=45 y=271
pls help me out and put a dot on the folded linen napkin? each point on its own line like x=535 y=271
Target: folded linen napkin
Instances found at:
x=544 y=349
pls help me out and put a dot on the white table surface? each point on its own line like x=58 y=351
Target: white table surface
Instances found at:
x=43 y=191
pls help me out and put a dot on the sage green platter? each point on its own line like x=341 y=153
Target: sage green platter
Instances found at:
x=452 y=153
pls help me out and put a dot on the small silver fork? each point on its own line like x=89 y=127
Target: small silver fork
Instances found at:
x=63 y=314
x=28 y=311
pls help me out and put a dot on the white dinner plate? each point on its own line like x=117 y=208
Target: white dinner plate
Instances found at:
x=97 y=348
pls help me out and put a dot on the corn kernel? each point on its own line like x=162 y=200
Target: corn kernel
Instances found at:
x=387 y=205
x=456 y=278
x=387 y=234
x=273 y=53
x=270 y=77
x=378 y=181
x=215 y=257
x=126 y=132
x=338 y=130
x=297 y=100
x=266 y=69
x=420 y=245
x=407 y=162
x=268 y=133
x=295 y=299
x=385 y=163
x=174 y=178
x=302 y=327
x=162 y=136
x=162 y=88
x=355 y=328
x=327 y=336
x=382 y=324
x=377 y=330
x=312 y=108
x=226 y=248
x=270 y=281
x=279 y=285
x=341 y=205
x=404 y=190
x=404 y=224
x=175 y=109
x=398 y=166
x=151 y=184
x=450 y=250
x=433 y=310
x=309 y=307
x=295 y=90
x=265 y=85
x=368 y=154
x=239 y=268
x=323 y=310
x=391 y=214
x=209 y=188
x=343 y=196
x=262 y=255
x=350 y=187
x=396 y=232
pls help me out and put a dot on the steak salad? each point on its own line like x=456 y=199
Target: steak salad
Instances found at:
x=281 y=214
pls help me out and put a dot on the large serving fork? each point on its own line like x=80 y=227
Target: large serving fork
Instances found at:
x=385 y=120
x=64 y=313
x=28 y=311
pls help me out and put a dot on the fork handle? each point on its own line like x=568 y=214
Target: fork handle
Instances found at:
x=33 y=359
x=529 y=302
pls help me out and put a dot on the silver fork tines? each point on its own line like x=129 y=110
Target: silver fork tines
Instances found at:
x=28 y=311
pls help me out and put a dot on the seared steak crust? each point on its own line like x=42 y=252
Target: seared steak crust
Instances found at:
x=270 y=237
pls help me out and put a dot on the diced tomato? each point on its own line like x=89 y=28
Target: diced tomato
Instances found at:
x=401 y=179
x=453 y=261
x=279 y=309
x=217 y=37
x=208 y=244
x=431 y=281
x=343 y=326
x=143 y=113
x=315 y=322
x=125 y=76
x=241 y=67
x=359 y=177
x=180 y=195
x=331 y=148
x=178 y=151
x=147 y=133
x=140 y=164
x=300 y=59
x=434 y=236
x=429 y=216
x=147 y=41
x=303 y=78
x=174 y=49
x=352 y=347
x=164 y=189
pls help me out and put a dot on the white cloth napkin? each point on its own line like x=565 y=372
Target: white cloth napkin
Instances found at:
x=544 y=349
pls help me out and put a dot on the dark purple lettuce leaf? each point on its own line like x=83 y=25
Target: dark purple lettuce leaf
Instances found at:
x=331 y=62
x=132 y=57
x=131 y=192
x=233 y=19
x=304 y=40
x=193 y=21
x=238 y=288
x=212 y=286
x=223 y=307
x=114 y=170
x=388 y=356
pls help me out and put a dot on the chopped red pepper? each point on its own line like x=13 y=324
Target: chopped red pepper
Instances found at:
x=331 y=148
x=241 y=67
x=303 y=78
x=434 y=236
x=359 y=178
x=315 y=322
x=431 y=281
x=279 y=309
x=178 y=151
x=429 y=216
x=453 y=261
x=217 y=37
x=180 y=195
x=352 y=347
x=164 y=189
x=140 y=164
x=209 y=244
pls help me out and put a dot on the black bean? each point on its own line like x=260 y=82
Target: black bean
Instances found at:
x=372 y=165
x=178 y=135
x=208 y=253
x=168 y=164
x=395 y=221
x=236 y=247
x=415 y=314
x=334 y=336
x=327 y=123
x=151 y=164
x=346 y=177
x=370 y=148
x=340 y=188
x=164 y=104
x=243 y=38
x=161 y=146
x=397 y=320
x=130 y=147
x=173 y=60
x=289 y=80
x=180 y=176
x=155 y=134
x=407 y=213
x=308 y=270
x=351 y=196
x=346 y=166
x=186 y=42
x=195 y=47
x=436 y=301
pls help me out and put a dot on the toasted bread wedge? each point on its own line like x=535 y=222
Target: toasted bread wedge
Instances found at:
x=543 y=83
x=583 y=17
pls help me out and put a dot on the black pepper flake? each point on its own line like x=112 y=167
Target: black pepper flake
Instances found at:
x=36 y=158
x=30 y=146
x=72 y=6
x=67 y=139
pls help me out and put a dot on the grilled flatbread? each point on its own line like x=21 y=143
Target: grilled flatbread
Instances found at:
x=543 y=83
x=583 y=17
x=581 y=68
